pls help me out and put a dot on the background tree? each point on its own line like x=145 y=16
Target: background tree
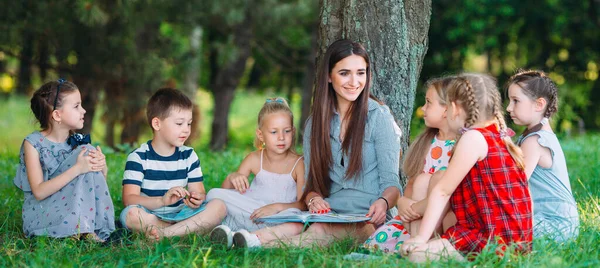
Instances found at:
x=395 y=35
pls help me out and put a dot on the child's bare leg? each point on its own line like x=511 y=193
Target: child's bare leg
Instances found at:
x=420 y=190
x=200 y=223
x=435 y=179
x=279 y=232
x=449 y=220
x=434 y=250
x=322 y=234
x=137 y=219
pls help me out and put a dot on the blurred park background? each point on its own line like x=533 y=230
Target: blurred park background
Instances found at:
x=229 y=55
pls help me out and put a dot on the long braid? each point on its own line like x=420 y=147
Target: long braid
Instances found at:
x=513 y=149
x=552 y=106
x=472 y=105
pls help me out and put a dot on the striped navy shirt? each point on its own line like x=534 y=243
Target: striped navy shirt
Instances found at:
x=156 y=174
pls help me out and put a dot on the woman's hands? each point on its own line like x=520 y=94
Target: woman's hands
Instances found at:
x=317 y=204
x=377 y=211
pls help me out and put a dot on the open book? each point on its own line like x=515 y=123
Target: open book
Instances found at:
x=295 y=215
x=184 y=213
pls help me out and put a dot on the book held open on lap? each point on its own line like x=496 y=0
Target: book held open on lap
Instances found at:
x=295 y=215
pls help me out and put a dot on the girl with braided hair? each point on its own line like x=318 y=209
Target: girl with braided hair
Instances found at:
x=485 y=182
x=63 y=178
x=533 y=100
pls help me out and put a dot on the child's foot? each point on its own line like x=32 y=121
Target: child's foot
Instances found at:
x=153 y=233
x=244 y=239
x=222 y=235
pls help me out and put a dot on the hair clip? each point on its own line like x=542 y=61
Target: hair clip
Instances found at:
x=60 y=82
x=507 y=132
x=462 y=130
x=278 y=100
x=544 y=121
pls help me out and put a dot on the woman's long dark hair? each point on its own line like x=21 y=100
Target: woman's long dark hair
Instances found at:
x=324 y=103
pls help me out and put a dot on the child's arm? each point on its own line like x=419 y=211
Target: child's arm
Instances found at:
x=532 y=154
x=464 y=158
x=42 y=189
x=239 y=180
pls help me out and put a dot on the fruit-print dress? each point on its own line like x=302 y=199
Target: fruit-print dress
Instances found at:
x=82 y=206
x=389 y=237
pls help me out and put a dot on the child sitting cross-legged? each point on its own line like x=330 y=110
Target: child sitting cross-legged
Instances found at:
x=163 y=176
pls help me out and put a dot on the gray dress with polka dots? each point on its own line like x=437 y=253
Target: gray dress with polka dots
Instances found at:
x=82 y=206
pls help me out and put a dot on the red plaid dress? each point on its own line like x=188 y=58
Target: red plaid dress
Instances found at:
x=492 y=203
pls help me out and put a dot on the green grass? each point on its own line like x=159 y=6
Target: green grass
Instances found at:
x=581 y=152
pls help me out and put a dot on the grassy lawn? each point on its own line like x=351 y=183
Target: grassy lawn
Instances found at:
x=582 y=155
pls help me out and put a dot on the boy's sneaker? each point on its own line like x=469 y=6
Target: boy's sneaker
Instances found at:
x=222 y=235
x=244 y=239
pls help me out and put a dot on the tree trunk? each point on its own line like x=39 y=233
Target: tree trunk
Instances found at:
x=226 y=80
x=308 y=84
x=24 y=80
x=190 y=84
x=89 y=89
x=395 y=35
x=43 y=57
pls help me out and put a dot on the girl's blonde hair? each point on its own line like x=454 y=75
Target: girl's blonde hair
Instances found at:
x=275 y=105
x=413 y=162
x=480 y=98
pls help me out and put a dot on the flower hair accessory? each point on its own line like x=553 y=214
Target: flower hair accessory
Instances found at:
x=60 y=82
x=278 y=100
x=78 y=139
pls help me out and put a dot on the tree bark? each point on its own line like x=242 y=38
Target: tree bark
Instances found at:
x=226 y=80
x=308 y=85
x=192 y=73
x=25 y=62
x=394 y=33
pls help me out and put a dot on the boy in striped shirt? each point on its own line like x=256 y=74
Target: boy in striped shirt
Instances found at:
x=163 y=191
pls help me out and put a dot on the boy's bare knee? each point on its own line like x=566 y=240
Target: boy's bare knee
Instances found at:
x=218 y=206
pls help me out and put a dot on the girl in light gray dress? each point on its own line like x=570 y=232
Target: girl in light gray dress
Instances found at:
x=63 y=177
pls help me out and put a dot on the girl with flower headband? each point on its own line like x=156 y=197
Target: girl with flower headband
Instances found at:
x=63 y=178
x=485 y=181
x=279 y=175
x=533 y=100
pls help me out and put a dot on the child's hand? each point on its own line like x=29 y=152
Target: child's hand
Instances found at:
x=239 y=182
x=411 y=244
x=194 y=199
x=377 y=212
x=405 y=211
x=265 y=211
x=99 y=160
x=84 y=162
x=173 y=195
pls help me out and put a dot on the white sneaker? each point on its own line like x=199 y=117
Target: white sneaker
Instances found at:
x=222 y=235
x=244 y=239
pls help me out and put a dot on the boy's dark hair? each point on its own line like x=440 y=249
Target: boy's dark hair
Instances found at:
x=163 y=101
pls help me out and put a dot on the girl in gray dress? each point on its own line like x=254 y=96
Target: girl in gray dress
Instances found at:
x=64 y=186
